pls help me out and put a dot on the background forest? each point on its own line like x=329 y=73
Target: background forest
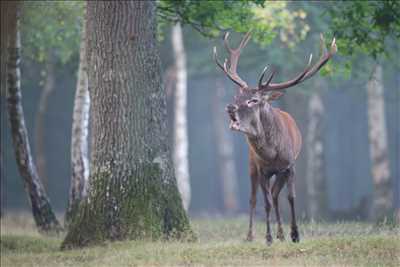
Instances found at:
x=49 y=67
x=348 y=114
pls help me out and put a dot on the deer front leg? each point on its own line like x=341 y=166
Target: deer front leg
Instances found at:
x=276 y=189
x=253 y=202
x=294 y=233
x=268 y=205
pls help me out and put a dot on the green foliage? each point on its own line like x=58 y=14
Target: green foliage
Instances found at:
x=210 y=18
x=51 y=27
x=365 y=27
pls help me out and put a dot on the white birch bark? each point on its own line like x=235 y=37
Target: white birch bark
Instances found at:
x=315 y=151
x=181 y=162
x=42 y=211
x=379 y=154
x=80 y=133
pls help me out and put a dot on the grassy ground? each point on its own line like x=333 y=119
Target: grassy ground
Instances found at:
x=220 y=244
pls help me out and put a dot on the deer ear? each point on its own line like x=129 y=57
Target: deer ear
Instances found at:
x=273 y=96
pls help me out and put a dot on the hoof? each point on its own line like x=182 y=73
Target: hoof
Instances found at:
x=280 y=235
x=294 y=234
x=269 y=240
x=250 y=237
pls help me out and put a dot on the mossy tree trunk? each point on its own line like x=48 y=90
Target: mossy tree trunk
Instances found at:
x=132 y=191
x=41 y=208
x=79 y=135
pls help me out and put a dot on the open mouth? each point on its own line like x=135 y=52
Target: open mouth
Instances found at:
x=234 y=124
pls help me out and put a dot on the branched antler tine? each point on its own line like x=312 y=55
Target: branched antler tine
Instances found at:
x=266 y=84
x=260 y=80
x=216 y=59
x=226 y=35
x=323 y=52
x=233 y=77
x=245 y=39
x=230 y=65
x=290 y=83
x=262 y=85
x=323 y=59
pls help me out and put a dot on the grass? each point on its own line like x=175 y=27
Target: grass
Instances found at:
x=220 y=244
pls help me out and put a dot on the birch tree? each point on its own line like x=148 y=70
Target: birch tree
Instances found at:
x=42 y=211
x=181 y=160
x=350 y=21
x=377 y=133
x=79 y=135
x=315 y=159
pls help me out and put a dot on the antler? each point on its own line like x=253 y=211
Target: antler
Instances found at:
x=308 y=72
x=230 y=66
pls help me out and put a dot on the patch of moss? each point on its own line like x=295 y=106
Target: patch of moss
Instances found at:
x=137 y=206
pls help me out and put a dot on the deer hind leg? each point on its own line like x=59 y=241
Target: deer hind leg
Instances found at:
x=280 y=181
x=294 y=233
x=253 y=202
x=264 y=183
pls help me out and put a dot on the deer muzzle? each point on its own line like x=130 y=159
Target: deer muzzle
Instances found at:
x=232 y=112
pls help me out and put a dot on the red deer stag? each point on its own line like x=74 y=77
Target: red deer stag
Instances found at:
x=273 y=137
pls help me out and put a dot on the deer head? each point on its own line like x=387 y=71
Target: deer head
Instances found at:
x=249 y=112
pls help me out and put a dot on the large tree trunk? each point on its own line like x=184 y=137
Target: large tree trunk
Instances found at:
x=41 y=208
x=181 y=161
x=382 y=196
x=225 y=150
x=315 y=162
x=48 y=88
x=79 y=136
x=132 y=189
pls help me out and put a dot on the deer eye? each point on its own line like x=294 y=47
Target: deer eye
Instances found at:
x=252 y=101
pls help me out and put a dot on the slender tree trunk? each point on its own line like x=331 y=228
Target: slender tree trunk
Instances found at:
x=41 y=208
x=181 y=161
x=382 y=197
x=225 y=149
x=79 y=136
x=3 y=61
x=396 y=198
x=48 y=88
x=315 y=159
x=1 y=179
x=132 y=189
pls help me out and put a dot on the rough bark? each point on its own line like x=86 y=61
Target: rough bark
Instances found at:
x=79 y=136
x=42 y=212
x=225 y=150
x=315 y=162
x=132 y=190
x=377 y=133
x=181 y=161
x=47 y=89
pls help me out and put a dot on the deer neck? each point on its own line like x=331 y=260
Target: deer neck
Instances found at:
x=265 y=143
